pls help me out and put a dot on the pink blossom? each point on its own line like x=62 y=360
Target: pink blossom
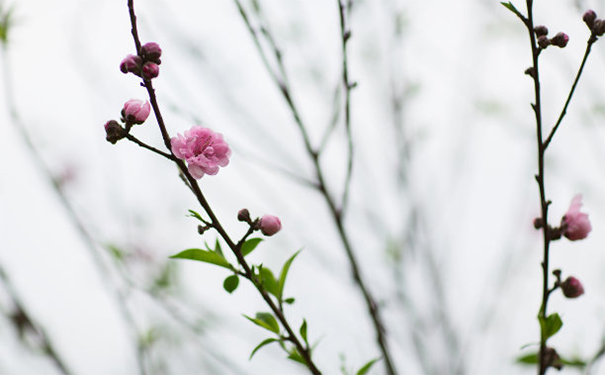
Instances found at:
x=572 y=287
x=131 y=63
x=270 y=225
x=136 y=111
x=150 y=70
x=204 y=150
x=575 y=224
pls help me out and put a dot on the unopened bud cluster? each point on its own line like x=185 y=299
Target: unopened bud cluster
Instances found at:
x=267 y=224
x=145 y=64
x=560 y=40
x=596 y=25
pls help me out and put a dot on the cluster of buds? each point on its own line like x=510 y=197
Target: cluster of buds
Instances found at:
x=145 y=64
x=596 y=25
x=560 y=40
x=135 y=112
x=267 y=224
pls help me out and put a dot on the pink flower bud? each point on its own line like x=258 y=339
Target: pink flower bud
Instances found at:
x=560 y=40
x=130 y=64
x=572 y=287
x=114 y=131
x=204 y=150
x=244 y=215
x=135 y=111
x=269 y=225
x=589 y=17
x=150 y=70
x=151 y=52
x=575 y=224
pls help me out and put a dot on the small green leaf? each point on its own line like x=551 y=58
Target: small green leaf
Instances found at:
x=197 y=216
x=512 y=8
x=250 y=245
x=231 y=283
x=265 y=342
x=303 y=331
x=551 y=325
x=265 y=320
x=116 y=252
x=268 y=280
x=217 y=248
x=576 y=362
x=365 y=368
x=290 y=300
x=529 y=359
x=295 y=356
x=284 y=274
x=203 y=256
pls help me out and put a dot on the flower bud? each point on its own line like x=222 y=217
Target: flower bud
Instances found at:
x=575 y=224
x=538 y=223
x=130 y=64
x=541 y=31
x=244 y=215
x=598 y=28
x=151 y=52
x=150 y=70
x=114 y=131
x=135 y=111
x=270 y=225
x=572 y=287
x=560 y=40
x=543 y=41
x=589 y=17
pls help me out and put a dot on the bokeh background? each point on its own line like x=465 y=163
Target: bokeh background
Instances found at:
x=442 y=195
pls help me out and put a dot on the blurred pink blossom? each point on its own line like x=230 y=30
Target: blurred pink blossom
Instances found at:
x=136 y=111
x=204 y=150
x=270 y=225
x=575 y=224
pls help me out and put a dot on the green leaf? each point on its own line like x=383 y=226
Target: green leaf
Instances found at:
x=529 y=359
x=265 y=342
x=283 y=274
x=512 y=8
x=576 y=362
x=231 y=283
x=217 y=248
x=551 y=325
x=303 y=331
x=295 y=356
x=197 y=216
x=250 y=245
x=365 y=368
x=290 y=300
x=268 y=280
x=265 y=320
x=203 y=256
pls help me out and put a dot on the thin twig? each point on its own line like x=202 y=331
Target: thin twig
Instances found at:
x=345 y=33
x=72 y=215
x=303 y=350
x=281 y=83
x=589 y=44
x=23 y=320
